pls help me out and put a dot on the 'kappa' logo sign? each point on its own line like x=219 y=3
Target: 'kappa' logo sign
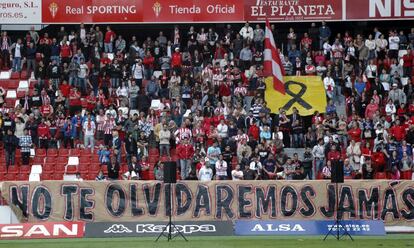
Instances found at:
x=117 y=228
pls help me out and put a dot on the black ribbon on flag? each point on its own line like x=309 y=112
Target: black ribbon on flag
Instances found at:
x=296 y=97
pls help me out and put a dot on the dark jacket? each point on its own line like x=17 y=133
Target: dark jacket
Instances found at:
x=10 y=142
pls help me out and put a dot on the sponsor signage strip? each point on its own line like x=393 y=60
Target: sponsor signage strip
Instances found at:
x=145 y=229
x=156 y=11
x=123 y=201
x=298 y=227
x=43 y=230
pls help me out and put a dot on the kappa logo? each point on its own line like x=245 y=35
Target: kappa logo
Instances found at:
x=117 y=228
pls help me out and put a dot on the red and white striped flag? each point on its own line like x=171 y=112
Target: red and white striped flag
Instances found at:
x=272 y=65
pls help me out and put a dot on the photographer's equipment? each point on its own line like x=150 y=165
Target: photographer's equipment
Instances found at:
x=170 y=231
x=337 y=177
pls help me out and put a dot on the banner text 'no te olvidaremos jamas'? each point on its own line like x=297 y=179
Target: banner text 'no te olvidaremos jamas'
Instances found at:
x=142 y=201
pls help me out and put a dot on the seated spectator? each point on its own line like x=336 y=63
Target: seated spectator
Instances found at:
x=113 y=169
x=159 y=171
x=327 y=170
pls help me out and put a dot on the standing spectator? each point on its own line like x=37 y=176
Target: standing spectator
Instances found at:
x=44 y=134
x=205 y=173
x=165 y=136
x=246 y=56
x=89 y=128
x=318 y=153
x=138 y=72
x=82 y=76
x=10 y=144
x=393 y=45
x=5 y=44
x=307 y=164
x=17 y=52
x=258 y=37
x=246 y=32
x=185 y=152
x=30 y=59
x=324 y=34
x=221 y=168
x=249 y=174
x=397 y=95
x=25 y=143
x=109 y=39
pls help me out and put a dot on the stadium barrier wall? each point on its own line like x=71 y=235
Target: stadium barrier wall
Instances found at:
x=125 y=201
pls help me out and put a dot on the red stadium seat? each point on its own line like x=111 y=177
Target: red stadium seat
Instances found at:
x=48 y=168
x=3 y=169
x=25 y=169
x=46 y=176
x=63 y=152
x=92 y=175
x=60 y=168
x=22 y=177
x=95 y=167
x=71 y=169
x=87 y=153
x=15 y=75
x=380 y=175
x=13 y=169
x=52 y=160
x=153 y=152
x=18 y=154
x=52 y=153
x=10 y=177
x=62 y=160
x=95 y=159
x=38 y=160
x=75 y=152
x=84 y=160
x=57 y=176
x=40 y=152
x=83 y=168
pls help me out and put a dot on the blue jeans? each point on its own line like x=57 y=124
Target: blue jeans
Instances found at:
x=297 y=140
x=319 y=163
x=17 y=64
x=82 y=84
x=108 y=47
x=185 y=165
x=115 y=82
x=148 y=73
x=72 y=81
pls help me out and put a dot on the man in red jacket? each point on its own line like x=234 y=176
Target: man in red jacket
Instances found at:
x=176 y=61
x=408 y=63
x=254 y=131
x=185 y=153
x=398 y=131
x=43 y=132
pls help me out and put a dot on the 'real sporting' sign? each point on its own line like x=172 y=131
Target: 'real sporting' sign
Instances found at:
x=298 y=227
x=148 y=229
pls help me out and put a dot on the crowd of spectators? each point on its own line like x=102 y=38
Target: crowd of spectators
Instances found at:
x=200 y=93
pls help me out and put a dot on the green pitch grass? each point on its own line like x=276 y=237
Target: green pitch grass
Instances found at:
x=388 y=241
